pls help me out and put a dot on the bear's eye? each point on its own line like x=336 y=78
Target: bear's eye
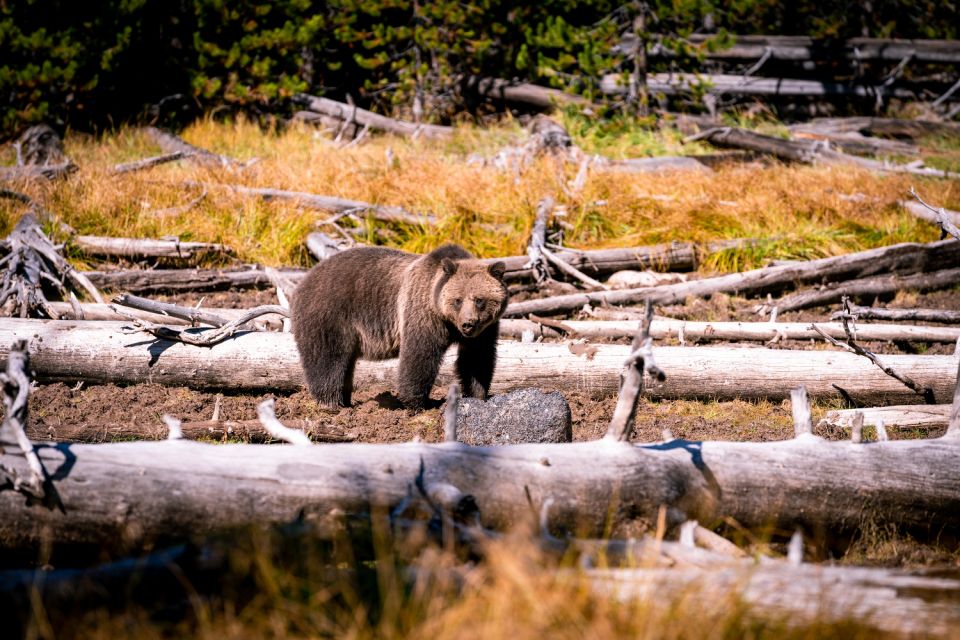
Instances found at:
x=457 y=302
x=479 y=304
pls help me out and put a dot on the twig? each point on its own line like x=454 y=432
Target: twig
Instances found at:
x=631 y=381
x=191 y=315
x=852 y=346
x=553 y=324
x=450 y=413
x=946 y=227
x=571 y=270
x=268 y=418
x=16 y=392
x=206 y=338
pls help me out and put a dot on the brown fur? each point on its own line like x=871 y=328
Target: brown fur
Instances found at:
x=377 y=303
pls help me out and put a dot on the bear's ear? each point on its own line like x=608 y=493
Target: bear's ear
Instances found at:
x=449 y=266
x=497 y=269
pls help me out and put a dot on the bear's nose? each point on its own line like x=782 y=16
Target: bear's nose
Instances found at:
x=468 y=325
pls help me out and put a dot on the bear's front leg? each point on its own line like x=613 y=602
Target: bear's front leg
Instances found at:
x=421 y=352
x=476 y=359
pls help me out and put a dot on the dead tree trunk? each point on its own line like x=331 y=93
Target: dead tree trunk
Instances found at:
x=930 y=416
x=124 y=495
x=905 y=258
x=728 y=331
x=166 y=280
x=349 y=114
x=869 y=288
x=146 y=247
x=101 y=353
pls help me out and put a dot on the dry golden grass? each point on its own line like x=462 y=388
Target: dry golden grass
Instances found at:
x=798 y=212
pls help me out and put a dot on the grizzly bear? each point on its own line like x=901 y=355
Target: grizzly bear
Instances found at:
x=377 y=303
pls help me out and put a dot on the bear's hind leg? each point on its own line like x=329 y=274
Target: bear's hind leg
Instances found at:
x=329 y=370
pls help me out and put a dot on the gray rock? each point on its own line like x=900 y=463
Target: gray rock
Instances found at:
x=523 y=415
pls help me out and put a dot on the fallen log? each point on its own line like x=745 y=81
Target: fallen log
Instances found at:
x=664 y=329
x=869 y=288
x=329 y=203
x=889 y=601
x=804 y=48
x=803 y=151
x=166 y=280
x=122 y=496
x=904 y=315
x=171 y=144
x=524 y=93
x=349 y=114
x=100 y=312
x=256 y=361
x=923 y=212
x=146 y=247
x=149 y=163
x=890 y=127
x=719 y=84
x=223 y=430
x=931 y=416
x=905 y=258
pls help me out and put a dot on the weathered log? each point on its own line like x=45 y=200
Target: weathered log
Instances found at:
x=523 y=93
x=948 y=220
x=663 y=328
x=171 y=143
x=803 y=151
x=869 y=288
x=166 y=280
x=245 y=430
x=331 y=203
x=905 y=258
x=101 y=352
x=718 y=84
x=355 y=115
x=931 y=416
x=804 y=48
x=856 y=143
x=124 y=495
x=890 y=127
x=146 y=247
x=889 y=601
x=149 y=163
x=322 y=246
x=905 y=315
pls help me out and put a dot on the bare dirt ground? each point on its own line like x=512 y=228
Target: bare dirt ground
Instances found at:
x=375 y=416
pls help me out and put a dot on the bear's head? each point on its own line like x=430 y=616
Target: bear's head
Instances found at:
x=472 y=295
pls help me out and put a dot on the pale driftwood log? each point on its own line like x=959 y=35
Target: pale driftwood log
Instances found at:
x=639 y=363
x=920 y=211
x=652 y=165
x=354 y=115
x=899 y=416
x=869 y=288
x=804 y=48
x=856 y=143
x=244 y=430
x=663 y=329
x=92 y=311
x=902 y=258
x=904 y=315
x=322 y=246
x=100 y=352
x=172 y=487
x=146 y=247
x=171 y=143
x=329 y=203
x=890 y=127
x=889 y=601
x=172 y=280
x=149 y=163
x=718 y=84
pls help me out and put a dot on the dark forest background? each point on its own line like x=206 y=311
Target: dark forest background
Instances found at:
x=91 y=65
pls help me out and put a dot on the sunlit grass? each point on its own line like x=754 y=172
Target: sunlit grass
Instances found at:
x=794 y=211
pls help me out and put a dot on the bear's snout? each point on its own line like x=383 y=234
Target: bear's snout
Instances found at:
x=467 y=327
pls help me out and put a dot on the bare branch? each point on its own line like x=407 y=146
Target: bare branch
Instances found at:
x=265 y=411
x=16 y=391
x=946 y=226
x=206 y=338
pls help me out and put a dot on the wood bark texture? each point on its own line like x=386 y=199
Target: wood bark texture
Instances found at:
x=662 y=329
x=918 y=416
x=101 y=352
x=125 y=495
